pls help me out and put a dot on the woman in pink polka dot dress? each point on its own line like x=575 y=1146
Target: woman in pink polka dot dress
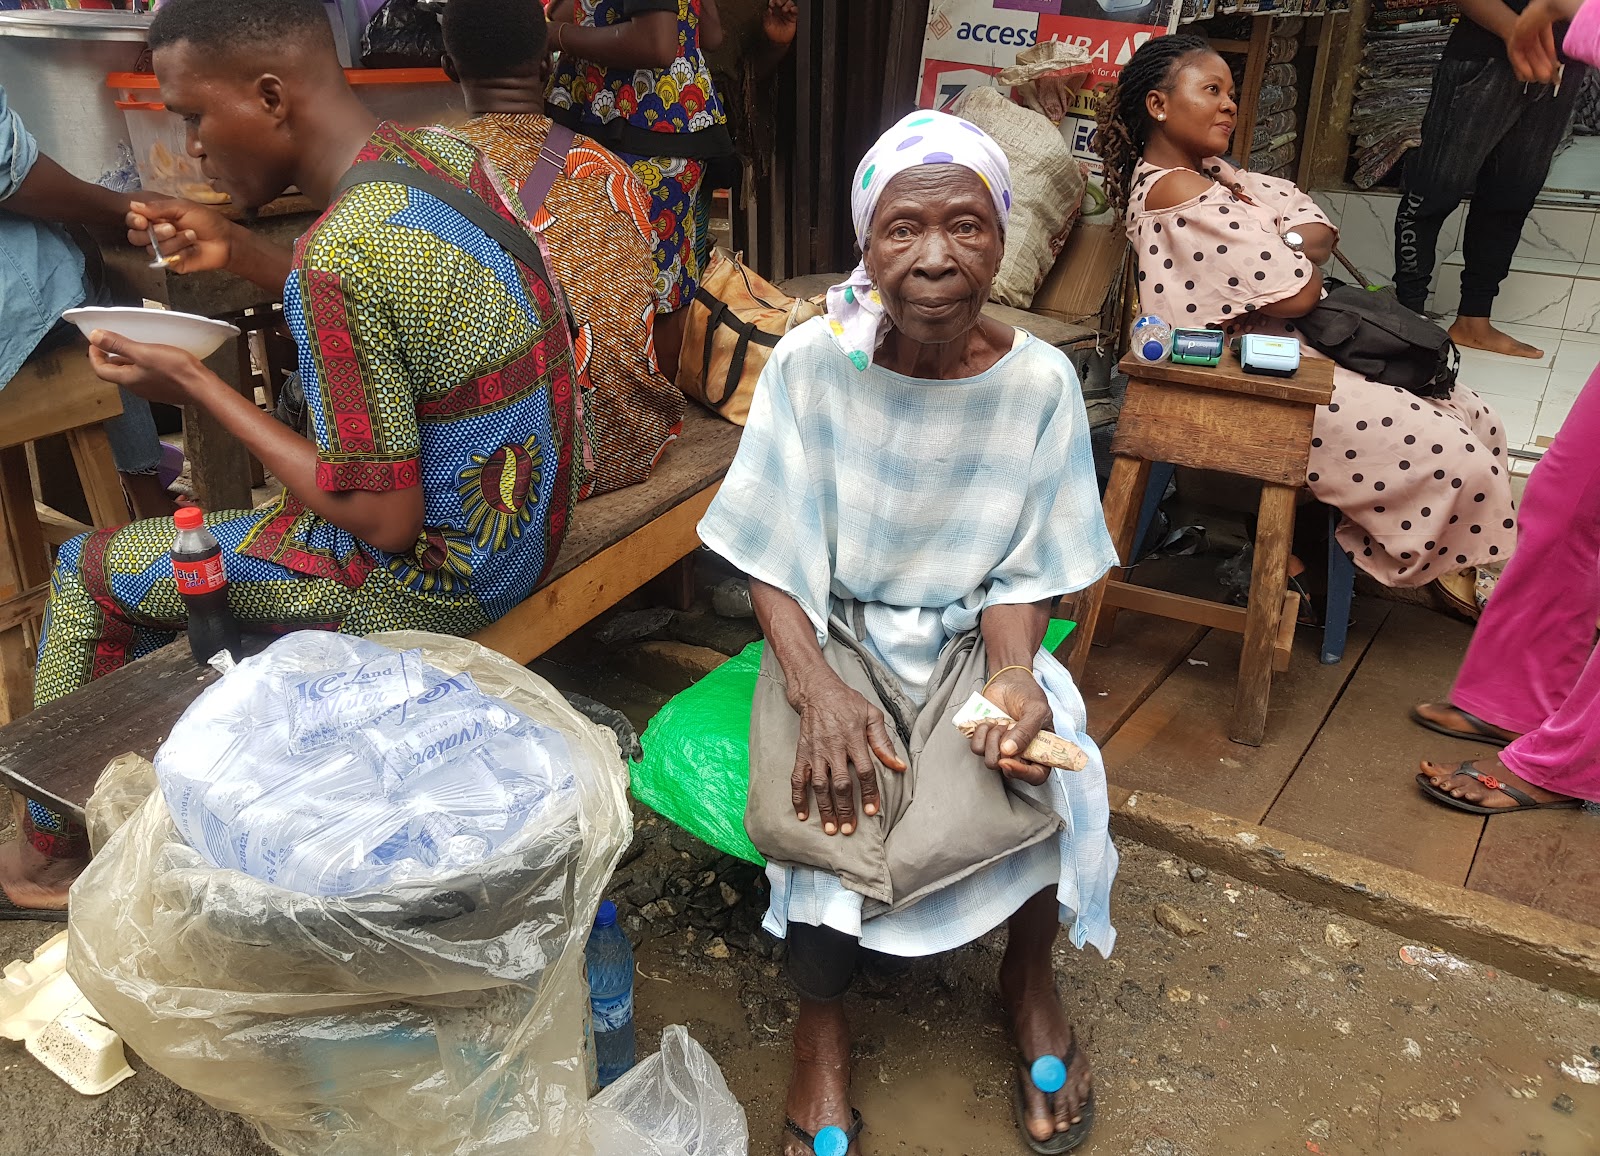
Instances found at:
x=1424 y=486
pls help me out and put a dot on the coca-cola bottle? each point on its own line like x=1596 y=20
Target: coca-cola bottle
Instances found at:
x=197 y=566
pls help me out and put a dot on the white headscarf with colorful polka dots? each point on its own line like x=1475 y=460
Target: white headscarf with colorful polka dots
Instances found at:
x=924 y=137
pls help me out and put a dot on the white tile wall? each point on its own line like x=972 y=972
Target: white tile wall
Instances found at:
x=1366 y=234
x=1558 y=234
x=1583 y=307
x=1518 y=415
x=1525 y=298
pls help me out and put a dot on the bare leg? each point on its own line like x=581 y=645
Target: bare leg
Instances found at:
x=31 y=880
x=819 y=1086
x=1477 y=333
x=1040 y=1026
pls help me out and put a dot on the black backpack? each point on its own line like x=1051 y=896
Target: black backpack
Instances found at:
x=1369 y=332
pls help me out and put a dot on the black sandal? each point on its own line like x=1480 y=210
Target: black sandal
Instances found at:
x=1481 y=731
x=851 y=1133
x=1066 y=1141
x=1525 y=801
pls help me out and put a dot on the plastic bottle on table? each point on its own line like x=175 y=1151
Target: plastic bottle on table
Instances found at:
x=197 y=567
x=610 y=959
x=1152 y=339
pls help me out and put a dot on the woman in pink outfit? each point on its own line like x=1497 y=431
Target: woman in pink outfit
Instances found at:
x=1531 y=678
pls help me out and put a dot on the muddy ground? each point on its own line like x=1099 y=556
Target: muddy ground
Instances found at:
x=1260 y=1032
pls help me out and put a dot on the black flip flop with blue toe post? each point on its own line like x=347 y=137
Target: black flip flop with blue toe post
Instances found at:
x=1049 y=1075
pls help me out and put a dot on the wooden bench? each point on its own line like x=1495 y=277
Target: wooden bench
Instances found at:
x=616 y=543
x=53 y=393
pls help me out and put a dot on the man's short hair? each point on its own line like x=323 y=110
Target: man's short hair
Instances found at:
x=490 y=38
x=226 y=26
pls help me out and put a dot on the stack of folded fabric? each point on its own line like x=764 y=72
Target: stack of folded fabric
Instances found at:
x=1404 y=42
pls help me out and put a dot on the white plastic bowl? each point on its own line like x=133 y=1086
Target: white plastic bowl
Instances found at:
x=201 y=336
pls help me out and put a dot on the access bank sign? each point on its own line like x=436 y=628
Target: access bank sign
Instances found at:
x=968 y=41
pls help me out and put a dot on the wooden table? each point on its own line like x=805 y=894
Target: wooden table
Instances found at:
x=1213 y=418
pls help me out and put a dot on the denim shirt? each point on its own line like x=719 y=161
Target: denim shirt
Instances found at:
x=41 y=270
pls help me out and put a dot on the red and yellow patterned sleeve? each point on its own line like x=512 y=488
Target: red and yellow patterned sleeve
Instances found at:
x=362 y=401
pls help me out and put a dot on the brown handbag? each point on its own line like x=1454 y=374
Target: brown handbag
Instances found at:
x=735 y=320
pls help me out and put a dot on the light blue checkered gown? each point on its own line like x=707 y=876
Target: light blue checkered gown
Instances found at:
x=927 y=502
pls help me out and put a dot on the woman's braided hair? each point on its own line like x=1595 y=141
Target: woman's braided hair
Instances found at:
x=1123 y=123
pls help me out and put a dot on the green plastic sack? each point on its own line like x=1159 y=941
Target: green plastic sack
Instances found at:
x=696 y=765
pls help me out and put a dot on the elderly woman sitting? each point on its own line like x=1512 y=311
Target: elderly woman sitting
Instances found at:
x=912 y=493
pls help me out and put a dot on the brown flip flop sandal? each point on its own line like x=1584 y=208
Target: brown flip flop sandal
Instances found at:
x=1525 y=801
x=1481 y=731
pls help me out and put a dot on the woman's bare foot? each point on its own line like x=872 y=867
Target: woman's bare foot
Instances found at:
x=1449 y=717
x=1477 y=333
x=1038 y=1023
x=31 y=880
x=1447 y=777
x=819 y=1085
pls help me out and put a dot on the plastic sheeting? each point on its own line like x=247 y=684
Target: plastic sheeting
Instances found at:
x=428 y=1017
x=675 y=1103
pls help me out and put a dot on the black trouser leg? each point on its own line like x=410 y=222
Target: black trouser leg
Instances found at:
x=821 y=962
x=1471 y=109
x=1508 y=184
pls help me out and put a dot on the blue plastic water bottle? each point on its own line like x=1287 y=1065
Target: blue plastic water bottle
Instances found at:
x=1049 y=1074
x=831 y=1141
x=610 y=959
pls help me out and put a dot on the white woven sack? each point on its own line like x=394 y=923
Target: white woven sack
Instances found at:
x=1046 y=189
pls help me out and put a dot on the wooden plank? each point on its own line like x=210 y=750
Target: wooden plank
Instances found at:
x=55 y=753
x=52 y=393
x=1120 y=677
x=1326 y=161
x=1180 y=607
x=1175 y=744
x=1251 y=437
x=1319 y=97
x=22 y=608
x=1269 y=578
x=1354 y=790
x=102 y=487
x=1544 y=859
x=1283 y=644
x=692 y=463
x=219 y=465
x=58 y=529
x=1312 y=384
x=558 y=608
x=1124 y=492
x=1255 y=67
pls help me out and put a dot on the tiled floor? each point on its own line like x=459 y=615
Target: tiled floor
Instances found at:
x=1550 y=300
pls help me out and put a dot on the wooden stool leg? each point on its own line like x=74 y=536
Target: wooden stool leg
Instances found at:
x=102 y=487
x=1124 y=492
x=1269 y=578
x=24 y=564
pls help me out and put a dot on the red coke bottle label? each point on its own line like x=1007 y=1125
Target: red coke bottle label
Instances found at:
x=203 y=576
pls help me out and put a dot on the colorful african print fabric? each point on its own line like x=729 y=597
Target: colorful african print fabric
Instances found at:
x=597 y=227
x=431 y=357
x=633 y=110
x=664 y=123
x=675 y=185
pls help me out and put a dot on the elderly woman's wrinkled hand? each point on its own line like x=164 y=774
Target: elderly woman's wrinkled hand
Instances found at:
x=843 y=737
x=1019 y=694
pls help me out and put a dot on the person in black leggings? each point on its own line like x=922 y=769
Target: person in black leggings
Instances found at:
x=1489 y=135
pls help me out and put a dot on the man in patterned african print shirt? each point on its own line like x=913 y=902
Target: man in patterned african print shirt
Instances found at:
x=446 y=405
x=595 y=223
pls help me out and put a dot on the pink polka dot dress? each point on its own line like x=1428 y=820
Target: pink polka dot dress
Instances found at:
x=1424 y=486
